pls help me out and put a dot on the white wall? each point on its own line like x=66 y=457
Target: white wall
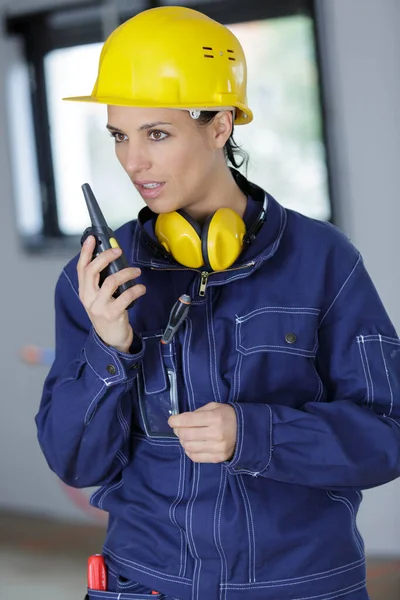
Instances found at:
x=361 y=52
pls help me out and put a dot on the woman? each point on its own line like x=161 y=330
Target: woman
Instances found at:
x=283 y=381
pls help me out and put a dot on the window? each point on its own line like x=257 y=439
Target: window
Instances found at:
x=285 y=140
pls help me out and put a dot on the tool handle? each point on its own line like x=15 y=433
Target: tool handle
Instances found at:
x=97 y=573
x=177 y=316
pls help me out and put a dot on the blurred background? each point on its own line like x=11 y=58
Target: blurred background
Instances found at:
x=324 y=85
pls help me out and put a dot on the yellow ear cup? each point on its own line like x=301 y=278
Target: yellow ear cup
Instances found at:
x=180 y=239
x=224 y=239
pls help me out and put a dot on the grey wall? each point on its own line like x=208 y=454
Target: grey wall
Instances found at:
x=361 y=50
x=361 y=54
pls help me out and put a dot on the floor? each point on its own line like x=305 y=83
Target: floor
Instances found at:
x=46 y=560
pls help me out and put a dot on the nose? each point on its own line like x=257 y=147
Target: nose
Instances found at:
x=134 y=159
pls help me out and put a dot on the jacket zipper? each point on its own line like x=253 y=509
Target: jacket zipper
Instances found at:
x=203 y=283
x=205 y=274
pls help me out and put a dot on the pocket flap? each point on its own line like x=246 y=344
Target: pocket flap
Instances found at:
x=153 y=369
x=278 y=329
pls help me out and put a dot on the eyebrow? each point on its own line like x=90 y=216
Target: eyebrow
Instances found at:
x=141 y=128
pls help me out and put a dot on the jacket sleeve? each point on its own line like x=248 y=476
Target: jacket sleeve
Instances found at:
x=352 y=440
x=85 y=412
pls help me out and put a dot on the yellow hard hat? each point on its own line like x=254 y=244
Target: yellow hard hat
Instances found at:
x=172 y=57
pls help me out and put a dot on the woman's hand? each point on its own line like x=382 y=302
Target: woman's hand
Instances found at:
x=107 y=314
x=208 y=434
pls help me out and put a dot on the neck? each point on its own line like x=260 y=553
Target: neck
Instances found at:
x=222 y=192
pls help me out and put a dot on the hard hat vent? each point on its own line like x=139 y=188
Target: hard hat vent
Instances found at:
x=209 y=49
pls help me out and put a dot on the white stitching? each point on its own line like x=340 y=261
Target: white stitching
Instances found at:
x=189 y=528
x=86 y=419
x=352 y=511
x=387 y=376
x=320 y=384
x=359 y=341
x=340 y=291
x=278 y=310
x=240 y=433
x=196 y=466
x=119 y=376
x=390 y=419
x=217 y=531
x=213 y=354
x=176 y=502
x=235 y=387
x=91 y=366
x=156 y=441
x=236 y=377
x=270 y=440
x=384 y=338
x=338 y=498
x=281 y=349
x=72 y=285
x=250 y=530
x=109 y=489
x=123 y=422
x=368 y=370
x=122 y=458
x=144 y=569
x=239 y=375
x=326 y=596
x=303 y=579
x=171 y=353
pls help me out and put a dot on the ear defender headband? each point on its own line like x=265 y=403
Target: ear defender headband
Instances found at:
x=216 y=245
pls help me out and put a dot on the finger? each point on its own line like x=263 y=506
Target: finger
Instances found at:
x=112 y=282
x=86 y=254
x=103 y=260
x=123 y=301
x=207 y=457
x=191 y=419
x=202 y=447
x=89 y=269
x=187 y=435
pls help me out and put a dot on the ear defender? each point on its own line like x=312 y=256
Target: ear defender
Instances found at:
x=215 y=246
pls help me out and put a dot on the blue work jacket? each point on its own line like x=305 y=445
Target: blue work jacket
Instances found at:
x=294 y=336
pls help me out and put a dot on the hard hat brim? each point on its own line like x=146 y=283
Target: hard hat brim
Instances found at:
x=243 y=115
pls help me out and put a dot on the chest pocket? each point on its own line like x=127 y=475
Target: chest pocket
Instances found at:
x=278 y=329
x=157 y=387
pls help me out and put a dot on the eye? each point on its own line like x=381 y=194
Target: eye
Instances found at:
x=157 y=135
x=118 y=136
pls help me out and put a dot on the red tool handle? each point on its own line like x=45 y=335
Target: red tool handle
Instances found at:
x=97 y=573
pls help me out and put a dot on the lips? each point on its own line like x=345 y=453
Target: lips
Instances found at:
x=149 y=189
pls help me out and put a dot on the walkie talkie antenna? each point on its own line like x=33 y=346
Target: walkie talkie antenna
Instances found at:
x=96 y=216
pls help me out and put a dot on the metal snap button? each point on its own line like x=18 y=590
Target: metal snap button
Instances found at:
x=111 y=369
x=290 y=338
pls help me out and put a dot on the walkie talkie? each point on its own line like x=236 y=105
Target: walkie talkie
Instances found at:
x=105 y=239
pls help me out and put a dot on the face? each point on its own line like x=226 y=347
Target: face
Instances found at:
x=172 y=160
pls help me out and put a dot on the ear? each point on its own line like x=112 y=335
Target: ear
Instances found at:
x=222 y=128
